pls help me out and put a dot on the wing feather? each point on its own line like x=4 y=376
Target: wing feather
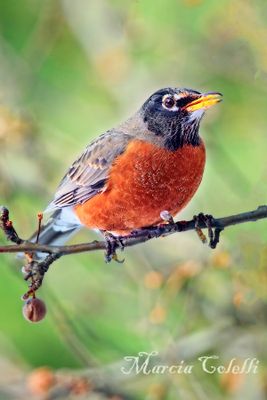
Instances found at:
x=88 y=174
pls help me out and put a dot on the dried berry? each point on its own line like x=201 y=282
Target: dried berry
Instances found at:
x=34 y=310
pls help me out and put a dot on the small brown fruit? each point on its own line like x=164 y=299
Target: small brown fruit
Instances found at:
x=34 y=310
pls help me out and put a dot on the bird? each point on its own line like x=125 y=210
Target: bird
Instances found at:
x=125 y=178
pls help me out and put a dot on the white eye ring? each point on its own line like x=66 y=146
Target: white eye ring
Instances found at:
x=169 y=107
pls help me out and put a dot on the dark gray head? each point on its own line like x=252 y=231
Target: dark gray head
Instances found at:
x=174 y=115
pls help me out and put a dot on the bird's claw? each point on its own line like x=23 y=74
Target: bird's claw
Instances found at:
x=213 y=234
x=198 y=219
x=112 y=244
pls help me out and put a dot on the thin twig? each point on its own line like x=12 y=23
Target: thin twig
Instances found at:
x=138 y=236
x=36 y=269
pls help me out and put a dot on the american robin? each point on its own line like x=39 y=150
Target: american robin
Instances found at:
x=125 y=178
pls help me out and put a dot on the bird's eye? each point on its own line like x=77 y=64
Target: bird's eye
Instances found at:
x=168 y=101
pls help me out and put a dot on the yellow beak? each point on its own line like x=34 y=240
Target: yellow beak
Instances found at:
x=205 y=101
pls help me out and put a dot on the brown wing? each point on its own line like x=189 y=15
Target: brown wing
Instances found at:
x=88 y=174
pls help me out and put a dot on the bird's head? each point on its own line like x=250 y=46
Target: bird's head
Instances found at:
x=173 y=115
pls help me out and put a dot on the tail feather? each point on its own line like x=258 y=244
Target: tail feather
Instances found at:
x=60 y=227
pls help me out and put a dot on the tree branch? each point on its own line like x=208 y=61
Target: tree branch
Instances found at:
x=138 y=237
x=36 y=269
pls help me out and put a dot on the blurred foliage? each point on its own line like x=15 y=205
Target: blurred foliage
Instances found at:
x=70 y=70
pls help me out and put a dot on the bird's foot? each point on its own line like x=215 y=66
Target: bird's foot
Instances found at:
x=213 y=233
x=112 y=244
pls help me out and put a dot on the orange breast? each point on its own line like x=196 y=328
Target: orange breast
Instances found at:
x=144 y=181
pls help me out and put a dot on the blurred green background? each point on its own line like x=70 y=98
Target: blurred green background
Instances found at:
x=69 y=70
